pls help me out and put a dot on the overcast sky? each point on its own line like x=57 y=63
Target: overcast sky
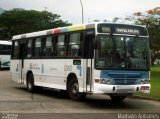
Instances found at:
x=70 y=10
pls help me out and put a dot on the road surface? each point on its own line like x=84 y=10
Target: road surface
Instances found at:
x=16 y=102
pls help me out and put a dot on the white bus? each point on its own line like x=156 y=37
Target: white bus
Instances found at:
x=95 y=58
x=5 y=53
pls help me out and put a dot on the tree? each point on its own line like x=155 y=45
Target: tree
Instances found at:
x=19 y=21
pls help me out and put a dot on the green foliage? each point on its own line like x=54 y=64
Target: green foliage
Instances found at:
x=19 y=21
x=153 y=26
x=155 y=83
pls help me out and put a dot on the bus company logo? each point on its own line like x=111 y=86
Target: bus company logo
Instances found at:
x=67 y=67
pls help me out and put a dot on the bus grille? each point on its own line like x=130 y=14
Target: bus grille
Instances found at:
x=124 y=75
x=125 y=81
x=125 y=78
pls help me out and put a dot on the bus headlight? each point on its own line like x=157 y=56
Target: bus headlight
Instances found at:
x=104 y=81
x=141 y=82
x=144 y=82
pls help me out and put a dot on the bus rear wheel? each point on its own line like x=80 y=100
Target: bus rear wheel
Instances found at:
x=30 y=82
x=117 y=98
x=73 y=90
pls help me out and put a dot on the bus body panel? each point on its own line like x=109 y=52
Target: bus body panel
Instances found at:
x=79 y=69
x=120 y=89
x=95 y=74
x=15 y=70
x=121 y=81
x=50 y=73
x=35 y=67
x=53 y=73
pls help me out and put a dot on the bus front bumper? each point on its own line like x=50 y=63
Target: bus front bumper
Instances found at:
x=121 y=89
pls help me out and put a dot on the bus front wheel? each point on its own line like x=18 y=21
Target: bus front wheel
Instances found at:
x=30 y=82
x=73 y=90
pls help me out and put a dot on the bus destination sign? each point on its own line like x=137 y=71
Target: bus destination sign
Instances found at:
x=127 y=31
x=122 y=29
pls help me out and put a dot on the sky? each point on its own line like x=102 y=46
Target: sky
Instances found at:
x=70 y=10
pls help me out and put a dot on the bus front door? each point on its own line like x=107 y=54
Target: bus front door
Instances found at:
x=89 y=53
x=21 y=61
x=89 y=69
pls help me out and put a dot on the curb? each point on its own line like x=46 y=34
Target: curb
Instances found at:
x=144 y=98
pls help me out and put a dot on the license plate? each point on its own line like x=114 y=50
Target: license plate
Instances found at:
x=144 y=87
x=124 y=89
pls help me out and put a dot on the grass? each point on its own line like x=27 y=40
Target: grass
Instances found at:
x=155 y=83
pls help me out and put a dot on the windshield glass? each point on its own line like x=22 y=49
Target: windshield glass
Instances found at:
x=122 y=52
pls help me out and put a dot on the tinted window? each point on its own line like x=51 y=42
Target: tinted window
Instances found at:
x=74 y=44
x=29 y=53
x=61 y=46
x=16 y=49
x=5 y=49
x=37 y=47
x=122 y=52
x=48 y=49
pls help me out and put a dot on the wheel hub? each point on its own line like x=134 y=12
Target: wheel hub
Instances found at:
x=75 y=89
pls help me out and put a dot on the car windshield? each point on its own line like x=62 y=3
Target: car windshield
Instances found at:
x=122 y=52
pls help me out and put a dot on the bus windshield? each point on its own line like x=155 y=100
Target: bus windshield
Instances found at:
x=122 y=52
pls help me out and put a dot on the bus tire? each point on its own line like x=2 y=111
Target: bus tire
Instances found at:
x=117 y=98
x=30 y=82
x=73 y=90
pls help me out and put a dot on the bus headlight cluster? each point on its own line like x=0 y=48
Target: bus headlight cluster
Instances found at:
x=104 y=81
x=144 y=81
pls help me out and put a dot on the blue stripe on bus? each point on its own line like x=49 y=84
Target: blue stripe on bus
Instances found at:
x=124 y=77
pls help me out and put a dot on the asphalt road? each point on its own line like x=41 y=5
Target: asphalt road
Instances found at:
x=17 y=103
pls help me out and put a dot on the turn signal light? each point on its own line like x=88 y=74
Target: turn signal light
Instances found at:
x=144 y=87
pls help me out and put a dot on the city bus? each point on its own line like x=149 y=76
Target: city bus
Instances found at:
x=95 y=58
x=5 y=53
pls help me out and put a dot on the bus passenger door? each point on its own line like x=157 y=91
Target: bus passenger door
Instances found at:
x=21 y=60
x=88 y=54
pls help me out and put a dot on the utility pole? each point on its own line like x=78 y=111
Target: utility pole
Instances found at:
x=82 y=12
x=45 y=8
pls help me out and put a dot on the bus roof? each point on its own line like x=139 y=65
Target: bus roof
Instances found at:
x=4 y=42
x=55 y=31
x=63 y=30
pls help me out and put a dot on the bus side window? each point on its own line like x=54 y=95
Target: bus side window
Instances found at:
x=29 y=46
x=60 y=43
x=1 y=49
x=16 y=49
x=8 y=49
x=5 y=49
x=48 y=49
x=74 y=44
x=37 y=50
